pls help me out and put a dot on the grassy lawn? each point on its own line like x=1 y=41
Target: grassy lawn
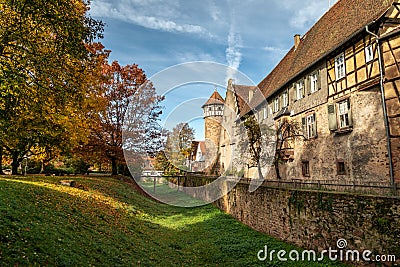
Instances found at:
x=109 y=224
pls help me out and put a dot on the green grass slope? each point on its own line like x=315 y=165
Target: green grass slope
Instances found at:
x=43 y=223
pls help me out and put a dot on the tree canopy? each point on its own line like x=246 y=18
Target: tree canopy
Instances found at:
x=128 y=114
x=48 y=71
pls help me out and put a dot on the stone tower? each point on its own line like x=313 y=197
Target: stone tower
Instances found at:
x=213 y=112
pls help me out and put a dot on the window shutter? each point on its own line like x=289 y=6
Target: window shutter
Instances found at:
x=304 y=126
x=315 y=126
x=350 y=113
x=319 y=82
x=304 y=88
x=307 y=84
x=332 y=120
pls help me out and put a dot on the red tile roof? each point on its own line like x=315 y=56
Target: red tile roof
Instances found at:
x=242 y=95
x=215 y=98
x=342 y=21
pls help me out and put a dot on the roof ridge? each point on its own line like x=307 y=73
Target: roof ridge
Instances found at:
x=333 y=29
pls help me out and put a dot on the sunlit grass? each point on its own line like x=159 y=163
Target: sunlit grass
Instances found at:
x=171 y=195
x=43 y=223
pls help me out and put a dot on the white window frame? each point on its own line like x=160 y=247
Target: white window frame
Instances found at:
x=340 y=67
x=310 y=122
x=265 y=113
x=369 y=53
x=299 y=90
x=314 y=82
x=285 y=99
x=343 y=114
x=276 y=104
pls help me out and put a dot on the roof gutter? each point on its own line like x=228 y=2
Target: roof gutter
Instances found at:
x=385 y=116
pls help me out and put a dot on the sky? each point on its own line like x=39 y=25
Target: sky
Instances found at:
x=189 y=48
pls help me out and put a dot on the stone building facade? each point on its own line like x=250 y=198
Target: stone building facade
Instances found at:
x=340 y=85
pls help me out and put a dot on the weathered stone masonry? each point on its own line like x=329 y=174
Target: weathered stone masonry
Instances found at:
x=316 y=219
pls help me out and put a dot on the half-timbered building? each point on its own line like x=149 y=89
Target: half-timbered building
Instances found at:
x=340 y=84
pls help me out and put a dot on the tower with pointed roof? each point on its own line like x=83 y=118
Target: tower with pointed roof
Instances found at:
x=213 y=112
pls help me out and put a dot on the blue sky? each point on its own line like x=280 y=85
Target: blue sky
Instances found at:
x=249 y=35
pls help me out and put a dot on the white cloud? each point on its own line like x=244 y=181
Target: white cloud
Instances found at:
x=191 y=57
x=152 y=14
x=274 y=49
x=233 y=54
x=306 y=12
x=214 y=11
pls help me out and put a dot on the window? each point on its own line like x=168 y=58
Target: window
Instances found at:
x=341 y=167
x=305 y=168
x=339 y=116
x=285 y=99
x=265 y=113
x=340 y=69
x=344 y=119
x=300 y=90
x=369 y=53
x=276 y=104
x=314 y=82
x=309 y=126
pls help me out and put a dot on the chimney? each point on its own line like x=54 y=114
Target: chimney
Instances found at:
x=251 y=94
x=296 y=41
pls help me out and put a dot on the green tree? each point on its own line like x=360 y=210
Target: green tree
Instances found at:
x=179 y=145
x=47 y=73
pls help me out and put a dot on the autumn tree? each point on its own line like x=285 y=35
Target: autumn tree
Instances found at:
x=47 y=63
x=128 y=115
x=179 y=144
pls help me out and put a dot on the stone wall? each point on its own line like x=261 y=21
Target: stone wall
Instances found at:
x=315 y=219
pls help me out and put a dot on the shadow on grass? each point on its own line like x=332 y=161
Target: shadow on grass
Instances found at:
x=51 y=225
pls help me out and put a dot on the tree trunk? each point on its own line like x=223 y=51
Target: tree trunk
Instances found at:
x=15 y=163
x=1 y=160
x=278 y=175
x=114 y=166
x=41 y=167
x=260 y=175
